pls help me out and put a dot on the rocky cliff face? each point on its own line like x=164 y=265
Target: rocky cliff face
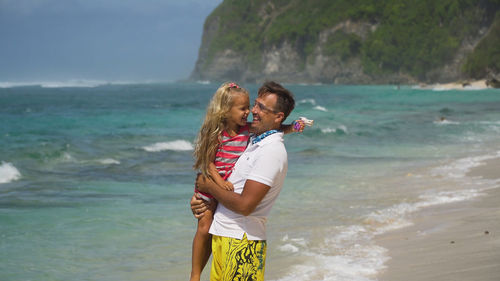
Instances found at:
x=286 y=61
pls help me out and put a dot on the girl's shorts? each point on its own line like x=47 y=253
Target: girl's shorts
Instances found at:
x=203 y=195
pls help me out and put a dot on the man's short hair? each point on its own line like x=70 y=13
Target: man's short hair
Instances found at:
x=285 y=103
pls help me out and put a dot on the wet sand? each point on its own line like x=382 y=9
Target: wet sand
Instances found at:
x=457 y=241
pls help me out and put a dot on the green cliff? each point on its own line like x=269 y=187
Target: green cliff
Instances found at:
x=351 y=41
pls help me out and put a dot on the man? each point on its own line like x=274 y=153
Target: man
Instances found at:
x=239 y=226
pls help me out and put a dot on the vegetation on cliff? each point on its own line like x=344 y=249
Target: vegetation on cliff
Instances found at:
x=411 y=36
x=486 y=57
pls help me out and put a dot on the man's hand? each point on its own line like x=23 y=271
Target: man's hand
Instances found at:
x=201 y=183
x=199 y=206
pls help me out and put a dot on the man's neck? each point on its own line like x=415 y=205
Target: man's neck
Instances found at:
x=264 y=135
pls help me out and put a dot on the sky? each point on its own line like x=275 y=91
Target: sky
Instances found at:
x=106 y=40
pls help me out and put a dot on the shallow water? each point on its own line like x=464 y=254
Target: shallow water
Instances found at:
x=95 y=181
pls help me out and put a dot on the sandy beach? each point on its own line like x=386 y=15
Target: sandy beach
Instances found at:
x=466 y=85
x=457 y=241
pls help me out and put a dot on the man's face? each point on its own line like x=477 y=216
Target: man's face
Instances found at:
x=265 y=117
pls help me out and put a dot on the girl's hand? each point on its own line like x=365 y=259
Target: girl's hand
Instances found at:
x=228 y=186
x=298 y=126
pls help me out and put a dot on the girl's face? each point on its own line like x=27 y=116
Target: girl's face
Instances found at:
x=237 y=115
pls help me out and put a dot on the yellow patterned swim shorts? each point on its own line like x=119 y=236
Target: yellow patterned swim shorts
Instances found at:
x=237 y=259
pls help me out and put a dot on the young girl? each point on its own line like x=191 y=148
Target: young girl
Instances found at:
x=222 y=139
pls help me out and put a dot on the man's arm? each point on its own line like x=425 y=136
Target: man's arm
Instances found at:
x=244 y=203
x=290 y=128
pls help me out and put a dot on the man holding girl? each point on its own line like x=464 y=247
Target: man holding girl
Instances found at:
x=239 y=224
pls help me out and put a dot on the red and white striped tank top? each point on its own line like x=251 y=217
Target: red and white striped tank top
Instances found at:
x=230 y=150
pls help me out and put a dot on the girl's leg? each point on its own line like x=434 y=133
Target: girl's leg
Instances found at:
x=202 y=245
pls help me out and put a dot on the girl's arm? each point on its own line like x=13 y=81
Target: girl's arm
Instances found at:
x=296 y=126
x=214 y=174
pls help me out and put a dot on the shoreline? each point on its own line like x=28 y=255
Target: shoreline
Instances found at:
x=456 y=241
x=465 y=85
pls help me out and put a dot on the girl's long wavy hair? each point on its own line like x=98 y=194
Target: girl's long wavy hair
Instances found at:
x=209 y=137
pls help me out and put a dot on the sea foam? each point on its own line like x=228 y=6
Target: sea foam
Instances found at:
x=56 y=84
x=321 y=108
x=178 y=145
x=72 y=83
x=446 y=122
x=108 y=161
x=340 y=129
x=460 y=167
x=395 y=217
x=354 y=256
x=8 y=173
x=311 y=101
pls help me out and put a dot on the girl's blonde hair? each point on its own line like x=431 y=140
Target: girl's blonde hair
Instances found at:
x=214 y=124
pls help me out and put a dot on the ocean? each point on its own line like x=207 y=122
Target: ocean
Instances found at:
x=95 y=180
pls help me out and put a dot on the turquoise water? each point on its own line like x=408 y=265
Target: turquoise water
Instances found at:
x=95 y=181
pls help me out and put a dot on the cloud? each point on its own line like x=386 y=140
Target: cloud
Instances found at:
x=100 y=39
x=30 y=7
x=15 y=7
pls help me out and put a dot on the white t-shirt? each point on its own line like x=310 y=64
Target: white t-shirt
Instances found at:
x=265 y=162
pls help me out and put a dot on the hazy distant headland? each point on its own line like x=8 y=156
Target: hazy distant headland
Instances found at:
x=351 y=41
